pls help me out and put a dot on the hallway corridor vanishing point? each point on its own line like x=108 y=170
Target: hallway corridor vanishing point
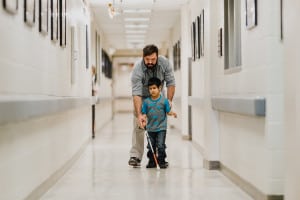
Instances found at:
x=102 y=172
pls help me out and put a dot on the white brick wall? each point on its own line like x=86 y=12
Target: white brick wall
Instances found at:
x=32 y=67
x=292 y=98
x=252 y=147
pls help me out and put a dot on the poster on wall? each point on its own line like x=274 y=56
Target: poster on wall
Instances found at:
x=220 y=42
x=29 y=12
x=87 y=62
x=281 y=19
x=62 y=23
x=199 y=36
x=196 y=39
x=178 y=55
x=43 y=16
x=193 y=41
x=202 y=32
x=98 y=58
x=74 y=54
x=251 y=15
x=11 y=6
x=54 y=20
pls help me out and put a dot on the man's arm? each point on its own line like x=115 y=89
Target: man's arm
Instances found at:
x=170 y=94
x=137 y=103
x=168 y=105
x=170 y=79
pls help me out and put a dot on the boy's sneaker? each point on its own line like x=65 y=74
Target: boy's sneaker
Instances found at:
x=163 y=164
x=151 y=164
x=134 y=161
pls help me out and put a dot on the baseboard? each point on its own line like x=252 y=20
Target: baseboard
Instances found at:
x=235 y=178
x=211 y=164
x=246 y=186
x=47 y=184
x=186 y=137
x=198 y=147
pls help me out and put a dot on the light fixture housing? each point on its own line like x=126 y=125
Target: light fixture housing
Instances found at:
x=114 y=9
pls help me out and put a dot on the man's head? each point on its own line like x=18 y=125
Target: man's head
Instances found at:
x=150 y=55
x=154 y=86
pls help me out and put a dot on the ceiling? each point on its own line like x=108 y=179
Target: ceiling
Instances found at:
x=136 y=22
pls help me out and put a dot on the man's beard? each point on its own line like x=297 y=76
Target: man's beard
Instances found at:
x=150 y=66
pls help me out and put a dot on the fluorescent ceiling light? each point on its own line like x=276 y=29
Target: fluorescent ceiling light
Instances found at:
x=135 y=45
x=135 y=31
x=136 y=19
x=137 y=11
x=136 y=25
x=131 y=40
x=135 y=36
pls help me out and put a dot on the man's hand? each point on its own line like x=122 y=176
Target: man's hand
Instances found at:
x=170 y=103
x=142 y=121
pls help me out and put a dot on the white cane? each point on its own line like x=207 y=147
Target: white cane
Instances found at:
x=155 y=159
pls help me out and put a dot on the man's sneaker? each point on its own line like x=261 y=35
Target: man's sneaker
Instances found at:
x=151 y=164
x=163 y=164
x=134 y=161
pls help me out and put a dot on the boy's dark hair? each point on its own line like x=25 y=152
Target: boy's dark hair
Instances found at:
x=154 y=81
x=150 y=49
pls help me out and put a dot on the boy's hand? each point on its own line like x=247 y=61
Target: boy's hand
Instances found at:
x=174 y=114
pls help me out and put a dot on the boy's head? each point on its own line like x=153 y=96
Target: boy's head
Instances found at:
x=154 y=81
x=154 y=86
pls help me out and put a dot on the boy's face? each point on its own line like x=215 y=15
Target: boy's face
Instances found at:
x=154 y=90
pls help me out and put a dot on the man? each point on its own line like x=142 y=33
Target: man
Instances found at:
x=151 y=65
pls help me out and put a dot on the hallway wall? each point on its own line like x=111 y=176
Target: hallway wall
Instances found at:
x=45 y=101
x=34 y=150
x=292 y=99
x=31 y=64
x=249 y=146
x=253 y=147
x=175 y=36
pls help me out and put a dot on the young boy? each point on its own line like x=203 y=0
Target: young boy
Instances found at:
x=156 y=108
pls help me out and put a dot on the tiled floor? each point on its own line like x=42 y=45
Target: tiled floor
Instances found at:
x=102 y=172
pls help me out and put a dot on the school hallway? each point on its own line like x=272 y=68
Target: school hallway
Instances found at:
x=67 y=74
x=102 y=171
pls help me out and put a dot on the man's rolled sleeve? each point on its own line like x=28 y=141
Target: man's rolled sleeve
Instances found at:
x=136 y=84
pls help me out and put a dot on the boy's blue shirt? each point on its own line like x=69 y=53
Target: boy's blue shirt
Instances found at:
x=156 y=111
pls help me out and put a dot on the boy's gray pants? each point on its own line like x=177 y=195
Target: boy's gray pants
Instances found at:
x=137 y=146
